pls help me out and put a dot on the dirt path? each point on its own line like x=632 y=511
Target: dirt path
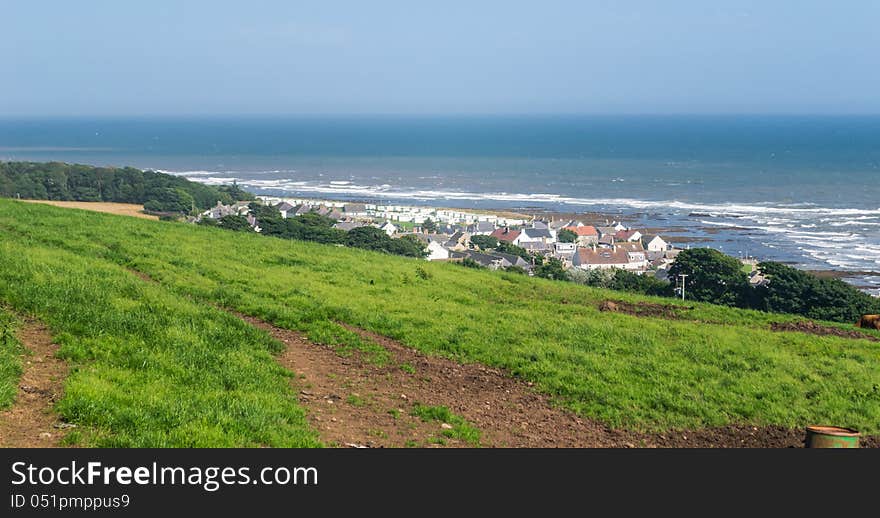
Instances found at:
x=354 y=403
x=351 y=402
x=31 y=422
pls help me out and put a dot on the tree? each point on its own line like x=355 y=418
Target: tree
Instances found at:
x=409 y=246
x=313 y=219
x=790 y=290
x=259 y=210
x=372 y=238
x=484 y=242
x=550 y=268
x=712 y=277
x=566 y=236
x=273 y=226
x=61 y=181
x=170 y=200
x=595 y=278
x=646 y=284
x=429 y=225
x=313 y=227
x=236 y=193
x=237 y=223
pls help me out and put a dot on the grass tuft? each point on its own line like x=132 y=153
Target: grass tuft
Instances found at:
x=461 y=429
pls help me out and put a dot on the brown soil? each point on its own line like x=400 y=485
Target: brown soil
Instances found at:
x=350 y=402
x=643 y=309
x=31 y=421
x=743 y=436
x=353 y=402
x=813 y=328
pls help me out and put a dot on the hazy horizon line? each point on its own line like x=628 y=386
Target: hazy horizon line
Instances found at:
x=311 y=115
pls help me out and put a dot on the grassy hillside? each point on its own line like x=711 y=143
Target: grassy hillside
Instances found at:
x=152 y=369
x=10 y=363
x=152 y=360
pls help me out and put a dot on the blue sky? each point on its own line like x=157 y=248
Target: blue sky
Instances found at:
x=162 y=57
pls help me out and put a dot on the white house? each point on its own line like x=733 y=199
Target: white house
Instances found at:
x=564 y=248
x=593 y=258
x=637 y=261
x=536 y=235
x=388 y=228
x=565 y=252
x=657 y=244
x=436 y=251
x=284 y=208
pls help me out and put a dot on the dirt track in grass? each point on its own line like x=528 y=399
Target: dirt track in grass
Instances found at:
x=31 y=421
x=352 y=402
x=811 y=327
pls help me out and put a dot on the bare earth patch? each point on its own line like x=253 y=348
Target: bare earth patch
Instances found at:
x=813 y=328
x=120 y=209
x=31 y=421
x=643 y=309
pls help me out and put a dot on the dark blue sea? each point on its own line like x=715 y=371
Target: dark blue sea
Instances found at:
x=803 y=190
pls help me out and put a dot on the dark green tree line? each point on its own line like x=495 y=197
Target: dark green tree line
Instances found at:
x=158 y=192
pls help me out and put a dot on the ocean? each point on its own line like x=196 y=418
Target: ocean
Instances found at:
x=798 y=189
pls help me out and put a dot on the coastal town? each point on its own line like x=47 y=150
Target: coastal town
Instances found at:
x=490 y=240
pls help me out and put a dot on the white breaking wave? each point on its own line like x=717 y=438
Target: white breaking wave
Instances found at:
x=715 y=210
x=187 y=174
x=858 y=223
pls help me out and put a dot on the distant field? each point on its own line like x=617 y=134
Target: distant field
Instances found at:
x=120 y=209
x=156 y=364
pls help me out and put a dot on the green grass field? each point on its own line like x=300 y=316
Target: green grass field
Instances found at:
x=156 y=365
x=10 y=362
